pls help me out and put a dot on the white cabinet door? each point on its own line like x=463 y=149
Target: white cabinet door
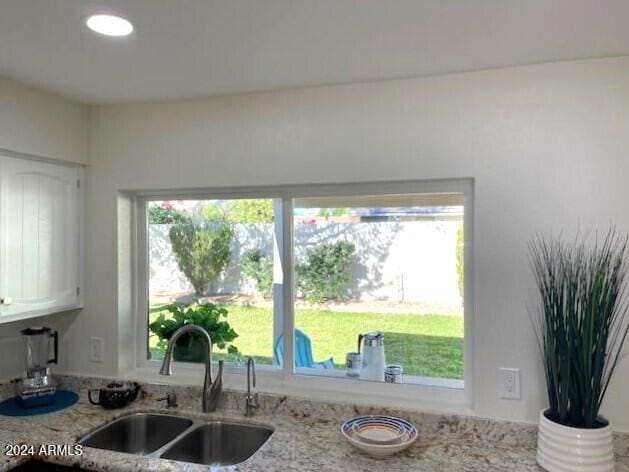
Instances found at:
x=39 y=238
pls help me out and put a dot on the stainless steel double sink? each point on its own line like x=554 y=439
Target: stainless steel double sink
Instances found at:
x=209 y=442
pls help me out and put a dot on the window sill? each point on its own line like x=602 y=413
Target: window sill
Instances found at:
x=408 y=379
x=446 y=397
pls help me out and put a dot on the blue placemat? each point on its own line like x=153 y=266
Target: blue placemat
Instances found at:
x=63 y=399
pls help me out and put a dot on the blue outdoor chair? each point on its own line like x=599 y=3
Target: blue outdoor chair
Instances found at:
x=303 y=352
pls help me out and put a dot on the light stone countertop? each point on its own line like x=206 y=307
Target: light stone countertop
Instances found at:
x=306 y=436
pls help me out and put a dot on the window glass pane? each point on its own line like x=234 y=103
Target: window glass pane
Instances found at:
x=386 y=264
x=211 y=263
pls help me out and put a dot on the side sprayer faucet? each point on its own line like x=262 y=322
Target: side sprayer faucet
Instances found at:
x=211 y=391
x=251 y=399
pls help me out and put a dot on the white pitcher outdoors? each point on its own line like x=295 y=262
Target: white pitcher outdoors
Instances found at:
x=372 y=347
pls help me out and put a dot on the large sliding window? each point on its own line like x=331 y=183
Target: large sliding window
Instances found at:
x=358 y=282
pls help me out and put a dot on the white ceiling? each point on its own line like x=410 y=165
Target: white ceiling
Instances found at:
x=187 y=48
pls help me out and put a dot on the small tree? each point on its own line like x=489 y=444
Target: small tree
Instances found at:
x=326 y=272
x=259 y=268
x=201 y=252
x=250 y=211
x=213 y=212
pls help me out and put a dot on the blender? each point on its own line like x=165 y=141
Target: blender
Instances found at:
x=37 y=388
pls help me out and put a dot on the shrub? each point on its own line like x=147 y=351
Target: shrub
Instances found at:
x=326 y=272
x=208 y=316
x=201 y=252
x=239 y=211
x=259 y=268
x=167 y=214
x=331 y=212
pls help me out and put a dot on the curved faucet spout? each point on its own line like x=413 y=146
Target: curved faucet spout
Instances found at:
x=166 y=368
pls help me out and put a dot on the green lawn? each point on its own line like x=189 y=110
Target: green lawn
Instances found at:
x=427 y=345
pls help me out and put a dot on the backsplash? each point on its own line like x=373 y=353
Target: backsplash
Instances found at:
x=12 y=363
x=430 y=425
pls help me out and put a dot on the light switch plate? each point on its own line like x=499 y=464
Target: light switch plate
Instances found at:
x=97 y=349
x=509 y=383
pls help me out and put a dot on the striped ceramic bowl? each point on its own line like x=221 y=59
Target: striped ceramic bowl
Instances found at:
x=379 y=430
x=379 y=435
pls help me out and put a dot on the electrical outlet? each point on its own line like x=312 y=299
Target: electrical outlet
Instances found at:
x=97 y=349
x=509 y=383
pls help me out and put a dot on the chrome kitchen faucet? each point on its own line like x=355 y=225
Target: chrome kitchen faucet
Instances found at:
x=211 y=391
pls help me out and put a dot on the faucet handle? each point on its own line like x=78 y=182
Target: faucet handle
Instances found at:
x=171 y=400
x=219 y=374
x=255 y=400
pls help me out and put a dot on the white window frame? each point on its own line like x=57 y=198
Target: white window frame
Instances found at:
x=438 y=394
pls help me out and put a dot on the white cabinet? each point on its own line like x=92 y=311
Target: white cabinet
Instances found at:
x=39 y=238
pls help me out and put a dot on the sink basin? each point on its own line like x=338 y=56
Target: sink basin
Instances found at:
x=218 y=443
x=209 y=442
x=140 y=433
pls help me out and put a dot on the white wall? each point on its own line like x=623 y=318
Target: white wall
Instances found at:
x=38 y=123
x=547 y=146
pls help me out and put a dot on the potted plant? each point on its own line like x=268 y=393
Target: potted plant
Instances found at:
x=208 y=316
x=581 y=329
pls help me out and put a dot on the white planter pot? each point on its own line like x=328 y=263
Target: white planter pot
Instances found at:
x=565 y=449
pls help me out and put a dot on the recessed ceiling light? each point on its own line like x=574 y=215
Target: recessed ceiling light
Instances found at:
x=109 y=25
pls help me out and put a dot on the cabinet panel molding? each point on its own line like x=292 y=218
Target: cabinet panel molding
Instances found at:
x=40 y=225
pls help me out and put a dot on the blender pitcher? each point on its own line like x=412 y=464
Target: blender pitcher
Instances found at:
x=37 y=387
x=38 y=349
